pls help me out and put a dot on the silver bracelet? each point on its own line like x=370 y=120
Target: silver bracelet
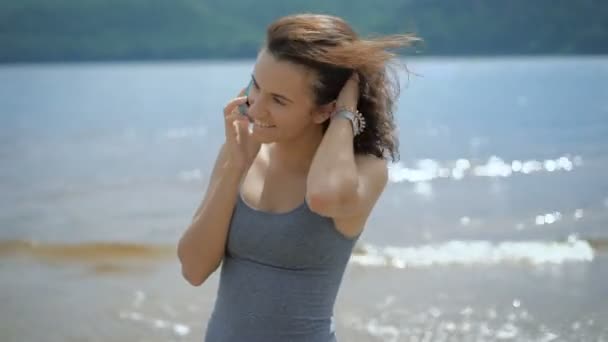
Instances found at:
x=356 y=118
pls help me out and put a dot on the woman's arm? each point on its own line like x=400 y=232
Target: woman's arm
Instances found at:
x=201 y=247
x=333 y=175
x=340 y=184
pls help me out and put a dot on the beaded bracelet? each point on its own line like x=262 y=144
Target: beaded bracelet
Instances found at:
x=356 y=118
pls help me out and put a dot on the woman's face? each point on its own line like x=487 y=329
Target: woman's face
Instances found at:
x=281 y=101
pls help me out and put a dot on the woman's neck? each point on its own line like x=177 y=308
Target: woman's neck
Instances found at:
x=295 y=155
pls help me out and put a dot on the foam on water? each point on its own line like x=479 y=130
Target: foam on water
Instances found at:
x=475 y=252
x=175 y=328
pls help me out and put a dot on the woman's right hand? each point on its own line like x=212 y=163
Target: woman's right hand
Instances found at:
x=240 y=148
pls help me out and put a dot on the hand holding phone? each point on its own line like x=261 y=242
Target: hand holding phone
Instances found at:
x=244 y=108
x=240 y=147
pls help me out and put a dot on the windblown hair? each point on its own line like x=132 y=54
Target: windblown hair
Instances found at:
x=332 y=49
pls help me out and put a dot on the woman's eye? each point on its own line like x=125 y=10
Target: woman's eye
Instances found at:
x=278 y=101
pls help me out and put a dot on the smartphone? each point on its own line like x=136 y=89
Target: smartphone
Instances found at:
x=245 y=106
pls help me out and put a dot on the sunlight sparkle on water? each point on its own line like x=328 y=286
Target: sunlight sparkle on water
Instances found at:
x=429 y=169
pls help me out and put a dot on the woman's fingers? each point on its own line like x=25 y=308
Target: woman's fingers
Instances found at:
x=230 y=121
x=353 y=81
x=231 y=114
x=233 y=104
x=349 y=95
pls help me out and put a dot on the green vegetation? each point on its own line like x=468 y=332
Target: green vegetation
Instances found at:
x=74 y=30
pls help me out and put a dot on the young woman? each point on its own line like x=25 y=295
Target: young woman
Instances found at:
x=289 y=197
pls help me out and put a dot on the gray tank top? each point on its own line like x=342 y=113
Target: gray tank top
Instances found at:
x=279 y=278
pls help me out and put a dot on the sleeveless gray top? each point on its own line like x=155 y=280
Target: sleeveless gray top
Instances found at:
x=279 y=278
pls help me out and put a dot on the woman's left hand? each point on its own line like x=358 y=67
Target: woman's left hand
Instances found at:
x=349 y=95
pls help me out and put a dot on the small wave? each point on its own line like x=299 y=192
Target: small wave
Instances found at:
x=178 y=329
x=110 y=257
x=477 y=253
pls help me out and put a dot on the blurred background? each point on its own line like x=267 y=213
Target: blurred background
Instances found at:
x=492 y=228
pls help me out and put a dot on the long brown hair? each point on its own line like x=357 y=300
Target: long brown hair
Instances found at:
x=329 y=46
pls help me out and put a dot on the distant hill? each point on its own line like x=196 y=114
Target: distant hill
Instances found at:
x=78 y=30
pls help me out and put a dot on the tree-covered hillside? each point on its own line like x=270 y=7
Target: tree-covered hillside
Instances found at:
x=73 y=30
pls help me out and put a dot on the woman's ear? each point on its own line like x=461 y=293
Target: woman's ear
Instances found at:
x=324 y=112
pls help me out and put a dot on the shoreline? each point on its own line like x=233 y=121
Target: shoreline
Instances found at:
x=237 y=60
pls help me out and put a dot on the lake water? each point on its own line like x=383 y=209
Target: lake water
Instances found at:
x=492 y=228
